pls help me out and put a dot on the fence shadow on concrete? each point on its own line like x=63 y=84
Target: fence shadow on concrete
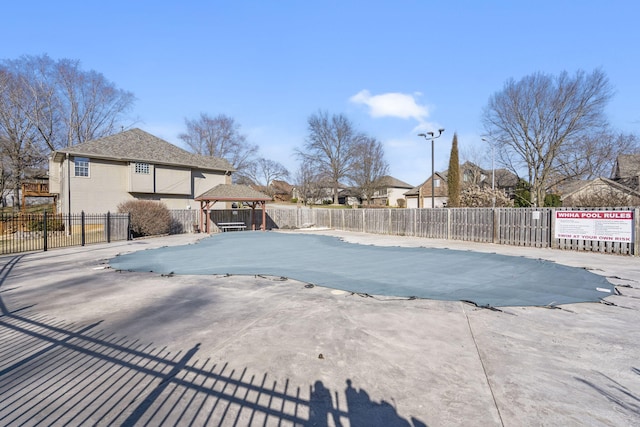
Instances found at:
x=59 y=373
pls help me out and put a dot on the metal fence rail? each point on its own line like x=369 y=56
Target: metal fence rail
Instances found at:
x=22 y=232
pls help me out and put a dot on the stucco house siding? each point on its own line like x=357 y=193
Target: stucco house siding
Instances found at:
x=173 y=180
x=99 y=192
x=141 y=182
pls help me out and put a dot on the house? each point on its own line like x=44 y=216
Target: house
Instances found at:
x=281 y=191
x=350 y=196
x=599 y=192
x=622 y=189
x=626 y=171
x=420 y=196
x=470 y=175
x=390 y=192
x=96 y=176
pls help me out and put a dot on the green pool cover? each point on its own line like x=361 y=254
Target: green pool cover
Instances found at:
x=485 y=279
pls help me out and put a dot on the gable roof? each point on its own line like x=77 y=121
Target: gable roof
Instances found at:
x=283 y=187
x=578 y=186
x=136 y=145
x=389 y=181
x=415 y=191
x=627 y=165
x=233 y=193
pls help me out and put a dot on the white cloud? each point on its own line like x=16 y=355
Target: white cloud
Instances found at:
x=392 y=104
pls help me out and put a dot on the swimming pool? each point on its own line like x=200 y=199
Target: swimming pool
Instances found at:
x=486 y=279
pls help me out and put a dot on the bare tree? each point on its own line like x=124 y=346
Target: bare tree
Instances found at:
x=65 y=104
x=594 y=155
x=91 y=106
x=307 y=183
x=540 y=122
x=17 y=136
x=264 y=171
x=220 y=137
x=329 y=147
x=369 y=166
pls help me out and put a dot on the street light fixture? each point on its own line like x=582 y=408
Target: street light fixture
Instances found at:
x=431 y=136
x=493 y=172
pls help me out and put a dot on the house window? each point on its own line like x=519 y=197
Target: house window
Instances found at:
x=142 y=168
x=81 y=166
x=436 y=183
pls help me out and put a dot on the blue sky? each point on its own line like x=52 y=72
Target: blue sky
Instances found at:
x=395 y=68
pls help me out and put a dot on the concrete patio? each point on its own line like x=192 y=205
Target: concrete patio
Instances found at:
x=82 y=343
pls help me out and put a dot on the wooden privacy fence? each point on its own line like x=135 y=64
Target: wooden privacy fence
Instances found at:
x=532 y=227
x=33 y=232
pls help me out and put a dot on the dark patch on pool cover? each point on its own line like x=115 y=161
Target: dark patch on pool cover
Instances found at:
x=487 y=279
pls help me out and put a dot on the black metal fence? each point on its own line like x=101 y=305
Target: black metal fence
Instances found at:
x=22 y=232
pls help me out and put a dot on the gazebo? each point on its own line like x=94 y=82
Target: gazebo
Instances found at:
x=231 y=193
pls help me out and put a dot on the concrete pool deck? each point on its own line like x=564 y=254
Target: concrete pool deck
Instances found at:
x=81 y=343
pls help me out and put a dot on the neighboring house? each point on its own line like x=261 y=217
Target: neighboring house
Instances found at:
x=281 y=191
x=500 y=179
x=96 y=176
x=34 y=189
x=470 y=174
x=350 y=196
x=599 y=192
x=420 y=196
x=626 y=171
x=622 y=189
x=389 y=191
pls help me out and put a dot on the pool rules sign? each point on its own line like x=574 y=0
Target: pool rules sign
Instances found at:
x=611 y=226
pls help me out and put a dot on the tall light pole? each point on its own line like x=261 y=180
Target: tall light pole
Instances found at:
x=431 y=136
x=493 y=172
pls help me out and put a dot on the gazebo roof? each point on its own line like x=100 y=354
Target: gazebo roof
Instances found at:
x=233 y=193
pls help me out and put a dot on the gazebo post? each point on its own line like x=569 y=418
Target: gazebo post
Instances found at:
x=264 y=216
x=201 y=219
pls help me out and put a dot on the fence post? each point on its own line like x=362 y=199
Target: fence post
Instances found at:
x=496 y=224
x=44 y=230
x=108 y=227
x=364 y=221
x=553 y=243
x=129 y=233
x=82 y=230
x=636 y=231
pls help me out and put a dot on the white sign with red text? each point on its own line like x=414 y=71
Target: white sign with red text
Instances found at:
x=611 y=226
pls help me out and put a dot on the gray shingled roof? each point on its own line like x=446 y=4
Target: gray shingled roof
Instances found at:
x=389 y=181
x=627 y=165
x=233 y=192
x=140 y=146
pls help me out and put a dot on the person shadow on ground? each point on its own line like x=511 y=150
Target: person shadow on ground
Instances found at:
x=361 y=410
x=321 y=407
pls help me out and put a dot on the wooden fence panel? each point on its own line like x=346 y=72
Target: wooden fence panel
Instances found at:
x=377 y=221
x=531 y=227
x=472 y=224
x=184 y=221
